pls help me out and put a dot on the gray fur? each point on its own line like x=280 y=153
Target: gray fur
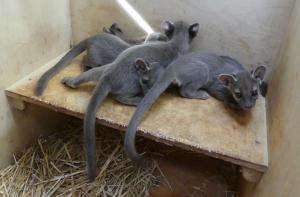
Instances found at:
x=120 y=78
x=148 y=73
x=101 y=49
x=156 y=36
x=199 y=75
x=114 y=29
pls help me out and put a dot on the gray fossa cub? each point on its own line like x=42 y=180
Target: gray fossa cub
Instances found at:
x=101 y=49
x=120 y=78
x=199 y=75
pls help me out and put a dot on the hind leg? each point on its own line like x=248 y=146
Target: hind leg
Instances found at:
x=75 y=82
x=193 y=91
x=129 y=100
x=85 y=63
x=88 y=64
x=97 y=56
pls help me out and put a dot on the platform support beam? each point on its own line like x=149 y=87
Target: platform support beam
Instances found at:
x=251 y=175
x=17 y=103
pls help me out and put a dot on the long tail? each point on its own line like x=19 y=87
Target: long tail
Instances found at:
x=101 y=91
x=158 y=88
x=65 y=60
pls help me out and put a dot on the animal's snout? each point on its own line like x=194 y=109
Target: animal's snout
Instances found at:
x=249 y=105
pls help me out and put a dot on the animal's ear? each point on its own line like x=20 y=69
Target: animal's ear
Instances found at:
x=105 y=30
x=193 y=30
x=259 y=72
x=167 y=27
x=141 y=64
x=227 y=80
x=115 y=27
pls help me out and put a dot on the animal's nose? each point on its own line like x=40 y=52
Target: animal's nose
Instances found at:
x=248 y=105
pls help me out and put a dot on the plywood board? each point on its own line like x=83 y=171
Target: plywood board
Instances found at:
x=204 y=126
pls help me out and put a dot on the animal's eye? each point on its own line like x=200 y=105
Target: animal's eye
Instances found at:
x=254 y=93
x=238 y=94
x=145 y=80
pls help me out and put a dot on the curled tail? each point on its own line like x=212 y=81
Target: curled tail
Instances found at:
x=65 y=60
x=158 y=88
x=101 y=91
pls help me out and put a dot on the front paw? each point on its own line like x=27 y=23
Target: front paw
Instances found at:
x=69 y=81
x=203 y=96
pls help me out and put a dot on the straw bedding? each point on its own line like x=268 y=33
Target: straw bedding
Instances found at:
x=55 y=166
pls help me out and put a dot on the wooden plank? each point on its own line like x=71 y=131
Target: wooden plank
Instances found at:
x=207 y=126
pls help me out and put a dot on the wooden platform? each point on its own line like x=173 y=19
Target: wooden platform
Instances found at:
x=202 y=126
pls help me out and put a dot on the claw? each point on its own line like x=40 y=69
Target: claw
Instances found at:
x=68 y=81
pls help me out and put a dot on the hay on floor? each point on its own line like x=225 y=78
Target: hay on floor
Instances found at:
x=55 y=166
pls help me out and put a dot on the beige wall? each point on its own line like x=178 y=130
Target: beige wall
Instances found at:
x=283 y=176
x=31 y=33
x=249 y=30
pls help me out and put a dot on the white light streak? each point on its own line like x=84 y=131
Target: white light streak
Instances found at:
x=136 y=16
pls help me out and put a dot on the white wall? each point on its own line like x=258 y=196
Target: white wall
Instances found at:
x=31 y=33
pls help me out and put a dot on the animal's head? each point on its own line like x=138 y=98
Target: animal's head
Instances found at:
x=181 y=33
x=148 y=73
x=113 y=29
x=244 y=86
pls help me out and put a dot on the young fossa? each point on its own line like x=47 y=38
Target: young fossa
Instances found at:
x=198 y=76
